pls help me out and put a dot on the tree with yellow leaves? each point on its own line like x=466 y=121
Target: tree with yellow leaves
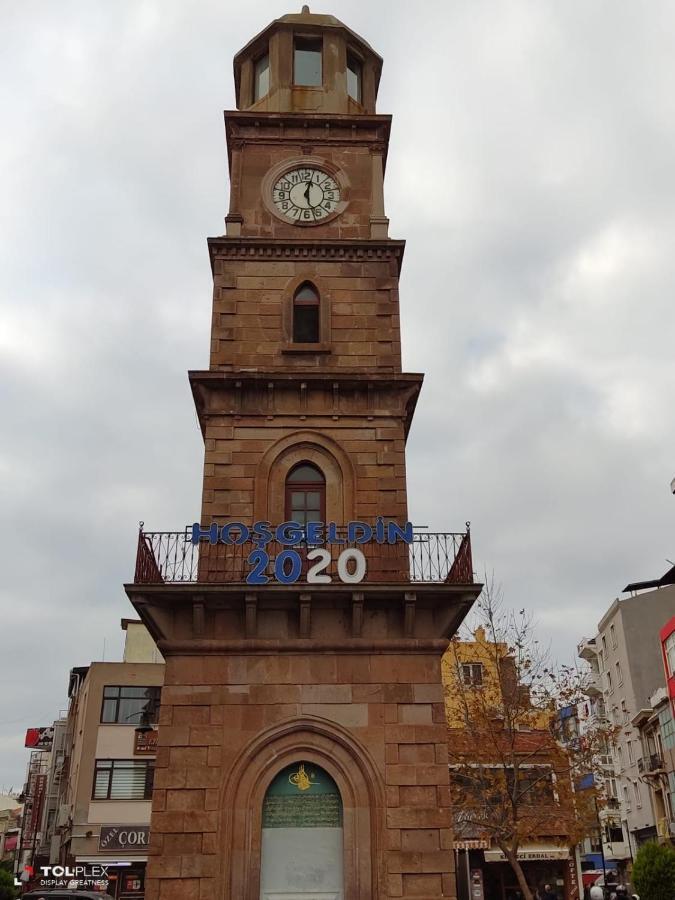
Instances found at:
x=513 y=768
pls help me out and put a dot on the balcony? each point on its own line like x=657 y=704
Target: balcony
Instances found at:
x=650 y=765
x=587 y=649
x=591 y=684
x=170 y=557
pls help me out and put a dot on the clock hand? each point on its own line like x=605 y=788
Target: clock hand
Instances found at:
x=307 y=191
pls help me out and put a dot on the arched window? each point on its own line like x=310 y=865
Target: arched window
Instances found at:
x=306 y=315
x=305 y=494
x=302 y=843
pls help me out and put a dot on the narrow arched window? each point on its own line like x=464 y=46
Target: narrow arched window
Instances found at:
x=305 y=494
x=306 y=315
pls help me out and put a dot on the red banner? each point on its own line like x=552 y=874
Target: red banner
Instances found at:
x=39 y=738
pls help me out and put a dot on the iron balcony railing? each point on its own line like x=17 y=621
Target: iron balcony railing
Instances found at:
x=652 y=763
x=170 y=557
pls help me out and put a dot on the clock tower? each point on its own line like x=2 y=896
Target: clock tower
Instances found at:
x=302 y=738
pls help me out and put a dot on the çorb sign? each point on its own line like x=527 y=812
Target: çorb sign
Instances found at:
x=124 y=837
x=287 y=565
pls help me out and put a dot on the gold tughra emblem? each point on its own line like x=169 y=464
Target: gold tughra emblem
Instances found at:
x=301 y=779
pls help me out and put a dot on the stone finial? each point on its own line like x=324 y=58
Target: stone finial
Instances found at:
x=305 y=10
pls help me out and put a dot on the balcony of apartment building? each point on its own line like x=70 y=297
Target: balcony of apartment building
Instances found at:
x=591 y=683
x=611 y=806
x=652 y=764
x=587 y=649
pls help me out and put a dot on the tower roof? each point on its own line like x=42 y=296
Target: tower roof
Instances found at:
x=310 y=22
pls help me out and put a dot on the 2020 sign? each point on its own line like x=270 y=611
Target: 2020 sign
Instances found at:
x=288 y=566
x=312 y=560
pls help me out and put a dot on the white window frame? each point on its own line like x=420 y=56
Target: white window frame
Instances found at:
x=624 y=712
x=638 y=794
x=472 y=682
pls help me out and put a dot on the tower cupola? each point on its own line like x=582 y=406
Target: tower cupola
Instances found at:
x=304 y=62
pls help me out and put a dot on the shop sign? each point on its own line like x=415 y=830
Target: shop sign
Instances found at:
x=145 y=742
x=476 y=880
x=39 y=738
x=124 y=837
x=572 y=880
x=288 y=564
x=531 y=855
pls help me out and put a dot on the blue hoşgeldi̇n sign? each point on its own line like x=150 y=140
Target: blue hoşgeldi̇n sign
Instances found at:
x=288 y=564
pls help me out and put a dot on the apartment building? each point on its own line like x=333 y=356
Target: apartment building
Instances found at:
x=625 y=669
x=607 y=846
x=10 y=826
x=657 y=761
x=108 y=773
x=482 y=689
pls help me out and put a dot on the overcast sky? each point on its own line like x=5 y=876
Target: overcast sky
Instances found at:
x=531 y=172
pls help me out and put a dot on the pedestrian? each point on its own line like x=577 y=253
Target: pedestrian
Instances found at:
x=597 y=892
x=548 y=893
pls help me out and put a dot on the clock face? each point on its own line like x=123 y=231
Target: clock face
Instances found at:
x=306 y=195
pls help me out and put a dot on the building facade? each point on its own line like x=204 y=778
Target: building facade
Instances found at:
x=657 y=760
x=302 y=740
x=626 y=663
x=606 y=848
x=483 y=694
x=10 y=828
x=107 y=772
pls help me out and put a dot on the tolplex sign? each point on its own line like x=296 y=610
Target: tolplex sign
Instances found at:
x=124 y=837
x=304 y=547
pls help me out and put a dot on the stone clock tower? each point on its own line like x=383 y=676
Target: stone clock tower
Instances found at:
x=302 y=739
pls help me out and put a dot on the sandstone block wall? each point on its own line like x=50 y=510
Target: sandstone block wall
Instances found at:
x=214 y=708
x=252 y=315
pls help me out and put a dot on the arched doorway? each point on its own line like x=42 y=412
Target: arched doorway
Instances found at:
x=302 y=844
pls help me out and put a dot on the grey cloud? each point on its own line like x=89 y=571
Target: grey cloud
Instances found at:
x=530 y=172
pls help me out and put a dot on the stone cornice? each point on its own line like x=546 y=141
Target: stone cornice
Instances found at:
x=408 y=385
x=324 y=129
x=331 y=127
x=249 y=248
x=188 y=634
x=359 y=378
